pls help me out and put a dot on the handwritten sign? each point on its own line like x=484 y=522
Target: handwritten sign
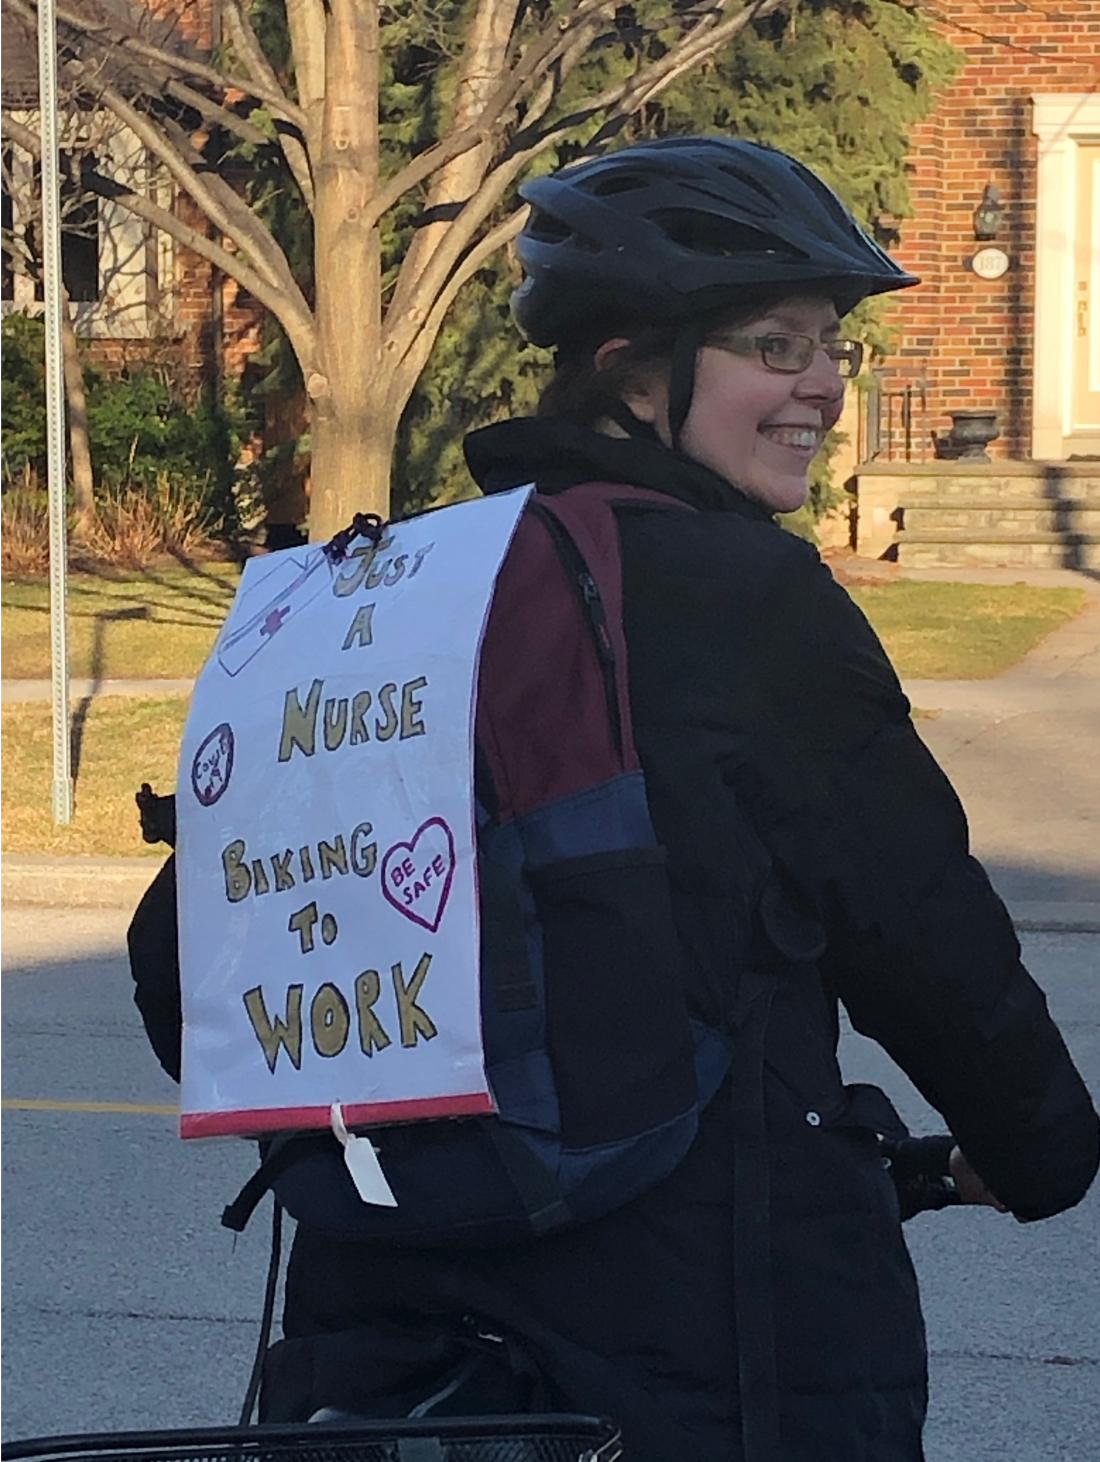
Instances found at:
x=326 y=856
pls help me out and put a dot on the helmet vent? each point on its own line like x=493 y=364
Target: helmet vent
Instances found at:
x=607 y=187
x=720 y=238
x=827 y=197
x=546 y=228
x=550 y=230
x=747 y=181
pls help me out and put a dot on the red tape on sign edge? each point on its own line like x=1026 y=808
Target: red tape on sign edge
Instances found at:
x=356 y=1114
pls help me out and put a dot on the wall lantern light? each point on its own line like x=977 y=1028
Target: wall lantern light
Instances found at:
x=989 y=215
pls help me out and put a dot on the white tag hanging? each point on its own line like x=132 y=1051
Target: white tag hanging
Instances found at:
x=362 y=1163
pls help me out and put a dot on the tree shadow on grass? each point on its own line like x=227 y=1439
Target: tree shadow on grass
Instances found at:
x=207 y=588
x=99 y=635
x=200 y=606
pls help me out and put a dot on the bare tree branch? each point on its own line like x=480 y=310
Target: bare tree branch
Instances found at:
x=248 y=49
x=544 y=51
x=242 y=232
x=422 y=167
x=618 y=101
x=539 y=104
x=24 y=137
x=307 y=22
x=419 y=299
x=484 y=56
x=700 y=42
x=556 y=40
x=409 y=367
x=156 y=83
x=107 y=35
x=290 y=309
x=247 y=225
x=218 y=116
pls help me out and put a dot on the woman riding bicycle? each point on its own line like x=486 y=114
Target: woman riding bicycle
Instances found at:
x=759 y=1302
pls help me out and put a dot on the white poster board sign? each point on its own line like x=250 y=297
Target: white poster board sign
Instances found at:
x=326 y=859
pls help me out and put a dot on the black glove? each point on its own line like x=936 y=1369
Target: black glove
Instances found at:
x=920 y=1169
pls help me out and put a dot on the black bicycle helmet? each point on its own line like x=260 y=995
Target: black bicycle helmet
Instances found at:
x=661 y=232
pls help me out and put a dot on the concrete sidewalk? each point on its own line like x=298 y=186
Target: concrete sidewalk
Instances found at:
x=79 y=882
x=1023 y=751
x=12 y=691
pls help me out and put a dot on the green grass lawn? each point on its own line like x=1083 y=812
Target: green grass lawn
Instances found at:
x=947 y=631
x=120 y=743
x=160 y=625
x=156 y=625
x=163 y=624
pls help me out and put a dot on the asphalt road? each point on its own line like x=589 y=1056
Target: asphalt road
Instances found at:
x=126 y=1305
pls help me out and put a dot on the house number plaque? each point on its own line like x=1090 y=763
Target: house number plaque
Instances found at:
x=989 y=263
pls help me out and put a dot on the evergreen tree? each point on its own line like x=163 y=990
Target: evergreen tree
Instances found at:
x=838 y=83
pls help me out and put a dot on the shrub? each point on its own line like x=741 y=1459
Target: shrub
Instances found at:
x=134 y=528
x=22 y=365
x=146 y=436
x=24 y=529
x=137 y=526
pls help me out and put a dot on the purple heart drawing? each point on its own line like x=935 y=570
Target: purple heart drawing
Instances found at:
x=417 y=875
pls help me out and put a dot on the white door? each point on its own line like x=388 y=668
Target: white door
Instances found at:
x=1084 y=430
x=1066 y=369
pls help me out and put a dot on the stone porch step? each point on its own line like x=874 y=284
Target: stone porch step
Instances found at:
x=955 y=547
x=1042 y=506
x=1081 y=489
x=1013 y=515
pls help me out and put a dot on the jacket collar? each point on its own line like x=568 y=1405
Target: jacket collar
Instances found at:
x=557 y=454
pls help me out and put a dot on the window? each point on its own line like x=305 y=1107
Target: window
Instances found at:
x=7 y=224
x=79 y=230
x=114 y=273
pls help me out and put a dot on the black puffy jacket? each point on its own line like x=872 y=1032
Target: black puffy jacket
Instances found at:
x=813 y=841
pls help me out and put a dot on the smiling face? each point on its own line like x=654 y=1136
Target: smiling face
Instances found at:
x=758 y=428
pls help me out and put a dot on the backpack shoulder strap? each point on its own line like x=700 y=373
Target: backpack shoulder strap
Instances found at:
x=586 y=515
x=553 y=699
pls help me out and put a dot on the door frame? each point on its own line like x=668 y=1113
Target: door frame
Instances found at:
x=1061 y=121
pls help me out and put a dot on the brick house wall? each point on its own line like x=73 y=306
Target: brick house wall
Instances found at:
x=157 y=300
x=219 y=325
x=967 y=342
x=212 y=331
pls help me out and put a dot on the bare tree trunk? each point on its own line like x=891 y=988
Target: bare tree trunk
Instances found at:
x=84 y=514
x=360 y=456
x=348 y=407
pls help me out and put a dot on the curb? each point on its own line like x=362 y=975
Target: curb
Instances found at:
x=33 y=880
x=1070 y=917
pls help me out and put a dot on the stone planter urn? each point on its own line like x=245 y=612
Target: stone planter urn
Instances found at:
x=971 y=432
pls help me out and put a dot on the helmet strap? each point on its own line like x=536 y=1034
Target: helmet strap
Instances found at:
x=681 y=379
x=621 y=414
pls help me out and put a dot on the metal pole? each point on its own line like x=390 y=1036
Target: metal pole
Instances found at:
x=55 y=410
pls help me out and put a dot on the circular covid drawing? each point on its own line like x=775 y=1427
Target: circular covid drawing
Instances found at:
x=213 y=765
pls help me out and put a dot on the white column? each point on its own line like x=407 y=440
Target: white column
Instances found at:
x=1058 y=119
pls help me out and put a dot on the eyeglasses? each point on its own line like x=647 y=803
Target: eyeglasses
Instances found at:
x=792 y=353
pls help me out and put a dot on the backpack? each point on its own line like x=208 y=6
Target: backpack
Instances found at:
x=598 y=1071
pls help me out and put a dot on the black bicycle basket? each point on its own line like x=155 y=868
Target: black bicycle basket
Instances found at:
x=465 y=1439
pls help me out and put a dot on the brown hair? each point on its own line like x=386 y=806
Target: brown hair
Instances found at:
x=581 y=393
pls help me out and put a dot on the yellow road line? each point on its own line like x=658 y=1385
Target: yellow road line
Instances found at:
x=21 y=1104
